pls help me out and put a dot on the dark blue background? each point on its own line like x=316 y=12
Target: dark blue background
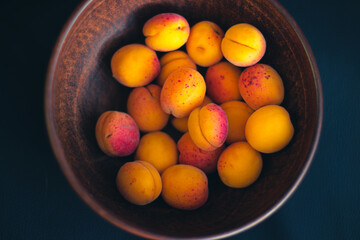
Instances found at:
x=36 y=201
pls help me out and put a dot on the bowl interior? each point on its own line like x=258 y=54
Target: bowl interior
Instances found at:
x=80 y=87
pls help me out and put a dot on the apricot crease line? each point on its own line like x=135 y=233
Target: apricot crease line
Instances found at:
x=203 y=133
x=241 y=44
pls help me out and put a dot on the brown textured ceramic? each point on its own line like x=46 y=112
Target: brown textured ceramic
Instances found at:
x=80 y=87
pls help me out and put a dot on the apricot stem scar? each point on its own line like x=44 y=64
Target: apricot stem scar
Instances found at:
x=216 y=31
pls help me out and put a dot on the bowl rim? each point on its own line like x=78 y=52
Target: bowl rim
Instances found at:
x=109 y=216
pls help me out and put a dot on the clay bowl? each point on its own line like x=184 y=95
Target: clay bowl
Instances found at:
x=80 y=87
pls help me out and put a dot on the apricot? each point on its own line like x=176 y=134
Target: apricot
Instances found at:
x=181 y=124
x=208 y=126
x=166 y=32
x=170 y=56
x=269 y=129
x=139 y=182
x=237 y=113
x=159 y=149
x=204 y=43
x=222 y=82
x=172 y=61
x=117 y=133
x=261 y=85
x=239 y=165
x=193 y=155
x=135 y=65
x=183 y=90
x=144 y=106
x=243 y=45
x=184 y=187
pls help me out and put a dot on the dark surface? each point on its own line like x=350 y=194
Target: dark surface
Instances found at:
x=38 y=203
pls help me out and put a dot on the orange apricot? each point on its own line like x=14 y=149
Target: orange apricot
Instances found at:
x=159 y=149
x=204 y=43
x=208 y=126
x=172 y=61
x=261 y=85
x=243 y=45
x=166 y=32
x=183 y=90
x=181 y=124
x=144 y=106
x=269 y=129
x=237 y=113
x=139 y=182
x=135 y=65
x=222 y=82
x=184 y=187
x=239 y=165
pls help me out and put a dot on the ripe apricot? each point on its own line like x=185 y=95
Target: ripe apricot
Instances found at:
x=166 y=32
x=117 y=133
x=135 y=65
x=208 y=126
x=181 y=124
x=171 y=56
x=193 y=155
x=239 y=165
x=144 y=106
x=237 y=113
x=203 y=45
x=183 y=90
x=243 y=45
x=269 y=129
x=139 y=182
x=261 y=85
x=172 y=61
x=159 y=149
x=184 y=187
x=222 y=82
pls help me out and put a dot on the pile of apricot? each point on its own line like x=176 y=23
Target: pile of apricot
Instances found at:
x=230 y=115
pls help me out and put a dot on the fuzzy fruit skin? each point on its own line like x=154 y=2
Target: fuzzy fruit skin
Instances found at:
x=192 y=155
x=172 y=61
x=117 y=133
x=159 y=149
x=184 y=187
x=139 y=182
x=239 y=165
x=166 y=32
x=183 y=90
x=222 y=82
x=135 y=65
x=243 y=45
x=144 y=106
x=204 y=43
x=208 y=126
x=237 y=113
x=261 y=85
x=181 y=124
x=269 y=129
